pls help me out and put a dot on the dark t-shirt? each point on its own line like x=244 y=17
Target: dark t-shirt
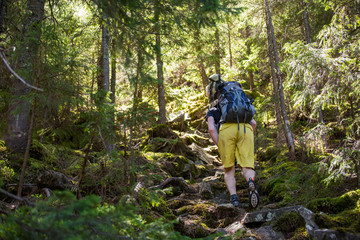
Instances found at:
x=215 y=113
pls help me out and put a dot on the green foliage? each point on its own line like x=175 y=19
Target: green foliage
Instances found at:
x=340 y=164
x=290 y=182
x=313 y=138
x=335 y=205
x=7 y=172
x=347 y=221
x=64 y=217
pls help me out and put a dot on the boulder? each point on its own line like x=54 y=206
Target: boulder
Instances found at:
x=268 y=233
x=326 y=234
x=205 y=190
x=54 y=181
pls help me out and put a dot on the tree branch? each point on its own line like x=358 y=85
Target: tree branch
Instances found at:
x=17 y=198
x=16 y=75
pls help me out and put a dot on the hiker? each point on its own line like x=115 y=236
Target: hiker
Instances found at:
x=235 y=140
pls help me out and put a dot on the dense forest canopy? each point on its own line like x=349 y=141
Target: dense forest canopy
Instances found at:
x=85 y=81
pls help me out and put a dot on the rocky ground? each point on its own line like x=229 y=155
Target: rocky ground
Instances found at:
x=200 y=200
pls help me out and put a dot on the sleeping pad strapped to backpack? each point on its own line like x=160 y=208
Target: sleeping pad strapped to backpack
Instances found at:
x=235 y=105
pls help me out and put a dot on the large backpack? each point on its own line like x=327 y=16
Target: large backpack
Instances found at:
x=235 y=105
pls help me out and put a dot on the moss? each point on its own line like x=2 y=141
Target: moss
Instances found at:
x=335 y=205
x=200 y=209
x=269 y=154
x=347 y=221
x=288 y=223
x=194 y=138
x=326 y=221
x=200 y=171
x=300 y=234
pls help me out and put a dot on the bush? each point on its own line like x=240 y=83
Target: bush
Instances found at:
x=64 y=217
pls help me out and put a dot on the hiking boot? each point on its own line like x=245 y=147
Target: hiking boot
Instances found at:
x=254 y=199
x=234 y=200
x=253 y=194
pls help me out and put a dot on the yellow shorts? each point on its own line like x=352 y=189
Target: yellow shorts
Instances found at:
x=235 y=142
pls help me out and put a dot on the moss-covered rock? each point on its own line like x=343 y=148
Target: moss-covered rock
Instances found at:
x=340 y=213
x=173 y=164
x=270 y=153
x=335 y=205
x=347 y=221
x=288 y=223
x=162 y=139
x=195 y=138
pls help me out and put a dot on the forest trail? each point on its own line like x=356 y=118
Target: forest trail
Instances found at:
x=201 y=202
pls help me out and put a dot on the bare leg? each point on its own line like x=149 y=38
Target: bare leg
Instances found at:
x=248 y=173
x=230 y=181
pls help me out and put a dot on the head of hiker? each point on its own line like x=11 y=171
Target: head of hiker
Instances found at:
x=212 y=88
x=231 y=125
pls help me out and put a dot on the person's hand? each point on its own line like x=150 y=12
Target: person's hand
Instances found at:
x=253 y=124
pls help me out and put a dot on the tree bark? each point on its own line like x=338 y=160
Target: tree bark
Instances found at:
x=105 y=63
x=273 y=74
x=251 y=80
x=229 y=40
x=217 y=52
x=277 y=72
x=161 y=88
x=27 y=152
x=159 y=64
x=200 y=60
x=104 y=83
x=2 y=14
x=306 y=22
x=113 y=73
x=18 y=116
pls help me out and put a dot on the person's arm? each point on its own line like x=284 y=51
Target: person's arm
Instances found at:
x=212 y=130
x=253 y=124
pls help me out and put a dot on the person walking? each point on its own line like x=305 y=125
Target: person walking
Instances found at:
x=235 y=141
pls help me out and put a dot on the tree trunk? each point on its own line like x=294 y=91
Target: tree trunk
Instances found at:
x=251 y=80
x=200 y=60
x=113 y=73
x=161 y=89
x=19 y=108
x=135 y=95
x=277 y=72
x=229 y=40
x=217 y=51
x=2 y=29
x=273 y=75
x=2 y=14
x=159 y=64
x=248 y=52
x=105 y=63
x=27 y=152
x=306 y=22
x=104 y=83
